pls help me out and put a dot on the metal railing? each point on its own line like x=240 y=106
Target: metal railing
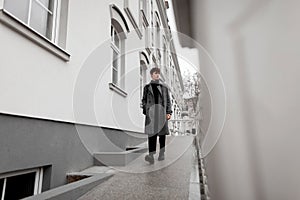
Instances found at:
x=182 y=127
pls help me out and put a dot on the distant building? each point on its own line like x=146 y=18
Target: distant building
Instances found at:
x=71 y=79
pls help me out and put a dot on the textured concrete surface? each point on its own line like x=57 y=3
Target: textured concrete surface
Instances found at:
x=174 y=178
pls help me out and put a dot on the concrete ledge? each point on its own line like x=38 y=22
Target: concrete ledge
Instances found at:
x=118 y=158
x=117 y=89
x=91 y=171
x=73 y=190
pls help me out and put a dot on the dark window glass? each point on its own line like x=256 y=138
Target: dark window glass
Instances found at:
x=18 y=187
x=115 y=66
x=1 y=186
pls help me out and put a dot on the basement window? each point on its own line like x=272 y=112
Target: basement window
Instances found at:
x=21 y=184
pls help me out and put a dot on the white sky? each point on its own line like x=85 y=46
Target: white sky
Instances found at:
x=187 y=57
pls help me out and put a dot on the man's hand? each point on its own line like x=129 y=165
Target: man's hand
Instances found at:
x=168 y=116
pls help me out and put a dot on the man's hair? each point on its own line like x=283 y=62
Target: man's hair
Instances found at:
x=155 y=69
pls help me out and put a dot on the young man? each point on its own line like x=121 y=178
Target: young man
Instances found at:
x=157 y=108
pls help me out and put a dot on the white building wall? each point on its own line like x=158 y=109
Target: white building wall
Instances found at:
x=34 y=82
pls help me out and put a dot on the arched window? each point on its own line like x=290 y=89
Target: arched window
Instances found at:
x=144 y=12
x=119 y=27
x=116 y=51
x=144 y=21
x=165 y=56
x=144 y=63
x=157 y=38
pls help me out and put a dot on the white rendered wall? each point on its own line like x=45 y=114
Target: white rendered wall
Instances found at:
x=34 y=82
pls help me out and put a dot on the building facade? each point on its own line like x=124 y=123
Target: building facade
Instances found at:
x=71 y=79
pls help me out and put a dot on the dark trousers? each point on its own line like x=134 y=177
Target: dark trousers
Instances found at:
x=152 y=140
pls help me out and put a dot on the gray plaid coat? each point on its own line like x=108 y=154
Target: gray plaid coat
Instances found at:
x=155 y=121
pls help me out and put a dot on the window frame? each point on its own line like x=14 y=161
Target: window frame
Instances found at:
x=143 y=77
x=143 y=13
x=120 y=24
x=165 y=55
x=118 y=50
x=56 y=8
x=58 y=48
x=157 y=38
x=38 y=182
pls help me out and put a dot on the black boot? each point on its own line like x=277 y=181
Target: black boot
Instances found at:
x=161 y=156
x=149 y=158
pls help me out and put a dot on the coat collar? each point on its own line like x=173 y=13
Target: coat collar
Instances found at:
x=158 y=87
x=160 y=83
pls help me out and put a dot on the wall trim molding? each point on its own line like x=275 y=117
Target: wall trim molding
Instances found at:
x=65 y=122
x=117 y=89
x=133 y=22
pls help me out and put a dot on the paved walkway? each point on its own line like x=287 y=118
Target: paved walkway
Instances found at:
x=176 y=177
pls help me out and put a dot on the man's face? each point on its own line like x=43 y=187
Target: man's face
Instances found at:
x=155 y=76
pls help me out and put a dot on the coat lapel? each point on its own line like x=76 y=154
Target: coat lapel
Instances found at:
x=159 y=89
x=150 y=89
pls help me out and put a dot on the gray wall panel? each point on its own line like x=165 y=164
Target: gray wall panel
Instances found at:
x=28 y=143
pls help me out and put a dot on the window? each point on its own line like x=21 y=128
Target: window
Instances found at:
x=21 y=184
x=152 y=23
x=169 y=67
x=118 y=58
x=157 y=34
x=44 y=22
x=173 y=75
x=143 y=78
x=146 y=35
x=144 y=62
x=39 y=15
x=143 y=12
x=157 y=38
x=119 y=30
x=144 y=23
x=164 y=55
x=116 y=63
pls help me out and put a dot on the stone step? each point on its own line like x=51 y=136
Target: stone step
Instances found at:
x=121 y=158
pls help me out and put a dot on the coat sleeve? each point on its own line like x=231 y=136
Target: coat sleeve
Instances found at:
x=144 y=100
x=169 y=106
